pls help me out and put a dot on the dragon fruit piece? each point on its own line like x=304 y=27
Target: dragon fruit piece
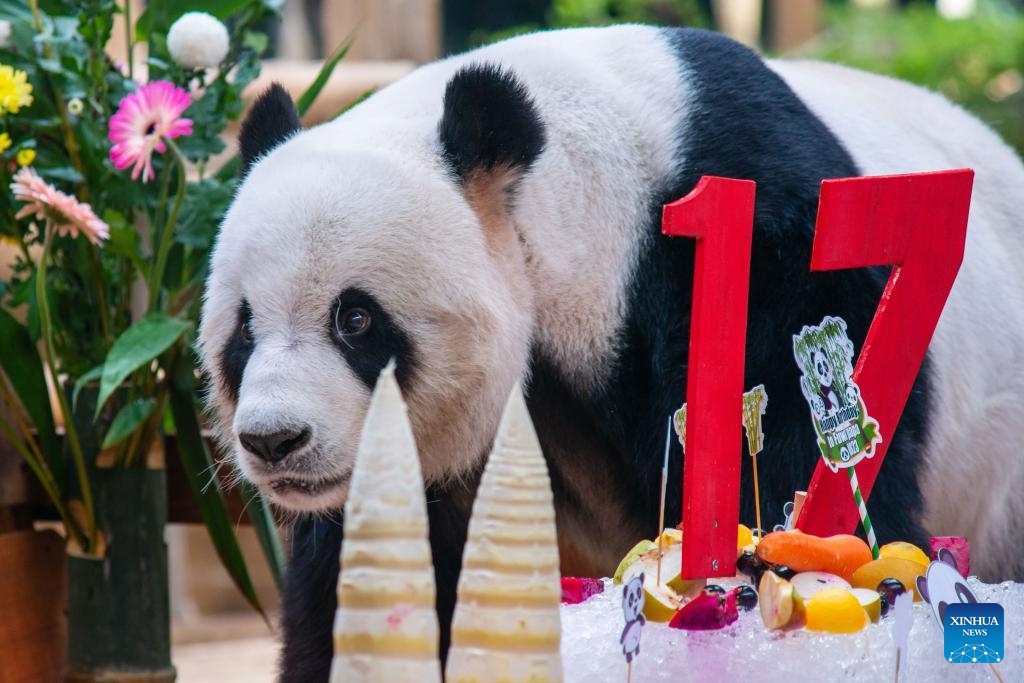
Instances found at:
x=957 y=545
x=707 y=612
x=580 y=589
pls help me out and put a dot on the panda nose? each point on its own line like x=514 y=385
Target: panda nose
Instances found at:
x=275 y=446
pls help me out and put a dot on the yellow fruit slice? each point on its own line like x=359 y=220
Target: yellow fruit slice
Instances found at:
x=670 y=537
x=835 y=610
x=872 y=573
x=904 y=551
x=744 y=537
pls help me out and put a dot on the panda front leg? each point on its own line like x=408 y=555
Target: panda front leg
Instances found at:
x=309 y=600
x=309 y=597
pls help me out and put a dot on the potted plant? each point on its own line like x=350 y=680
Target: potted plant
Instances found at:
x=111 y=212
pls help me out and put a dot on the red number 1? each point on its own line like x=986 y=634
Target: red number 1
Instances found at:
x=918 y=224
x=719 y=212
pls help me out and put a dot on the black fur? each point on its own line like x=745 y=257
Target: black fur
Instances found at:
x=744 y=123
x=367 y=354
x=489 y=122
x=236 y=353
x=272 y=120
x=309 y=598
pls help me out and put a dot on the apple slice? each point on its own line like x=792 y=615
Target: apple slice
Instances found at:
x=871 y=601
x=781 y=606
x=806 y=584
x=631 y=557
x=662 y=601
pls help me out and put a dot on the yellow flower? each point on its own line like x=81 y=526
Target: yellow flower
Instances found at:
x=5 y=142
x=26 y=156
x=15 y=90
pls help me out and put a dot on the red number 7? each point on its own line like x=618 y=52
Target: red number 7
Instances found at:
x=918 y=224
x=719 y=212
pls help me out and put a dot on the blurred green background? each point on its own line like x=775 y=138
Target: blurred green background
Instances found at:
x=976 y=60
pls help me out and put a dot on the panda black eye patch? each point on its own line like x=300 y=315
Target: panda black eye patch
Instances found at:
x=237 y=351
x=368 y=337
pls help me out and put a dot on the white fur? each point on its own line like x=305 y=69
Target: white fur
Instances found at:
x=974 y=471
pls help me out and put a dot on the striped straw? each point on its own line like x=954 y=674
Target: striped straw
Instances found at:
x=864 y=518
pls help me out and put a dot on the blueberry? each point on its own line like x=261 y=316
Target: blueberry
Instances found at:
x=784 y=572
x=749 y=564
x=890 y=589
x=884 y=602
x=714 y=588
x=746 y=597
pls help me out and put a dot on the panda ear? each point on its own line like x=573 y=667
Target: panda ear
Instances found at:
x=490 y=129
x=271 y=120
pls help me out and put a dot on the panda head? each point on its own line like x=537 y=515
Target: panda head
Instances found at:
x=822 y=368
x=337 y=256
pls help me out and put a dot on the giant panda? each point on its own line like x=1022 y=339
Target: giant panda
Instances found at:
x=495 y=217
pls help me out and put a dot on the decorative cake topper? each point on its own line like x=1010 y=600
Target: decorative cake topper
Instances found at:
x=846 y=434
x=679 y=423
x=386 y=626
x=903 y=610
x=507 y=625
x=943 y=584
x=755 y=402
x=633 y=612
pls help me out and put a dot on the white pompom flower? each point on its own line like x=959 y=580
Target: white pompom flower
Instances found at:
x=198 y=40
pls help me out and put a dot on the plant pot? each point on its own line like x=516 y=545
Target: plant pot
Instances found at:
x=118 y=605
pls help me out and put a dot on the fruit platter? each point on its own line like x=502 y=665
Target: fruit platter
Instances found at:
x=800 y=608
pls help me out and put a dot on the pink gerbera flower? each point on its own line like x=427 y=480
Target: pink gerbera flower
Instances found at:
x=44 y=201
x=142 y=122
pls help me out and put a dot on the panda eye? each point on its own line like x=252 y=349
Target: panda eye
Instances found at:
x=352 y=322
x=245 y=331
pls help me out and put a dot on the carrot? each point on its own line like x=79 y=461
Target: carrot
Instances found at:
x=842 y=554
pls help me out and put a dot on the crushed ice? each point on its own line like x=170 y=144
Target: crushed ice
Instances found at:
x=745 y=651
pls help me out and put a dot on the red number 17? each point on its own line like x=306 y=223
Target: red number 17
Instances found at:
x=917 y=223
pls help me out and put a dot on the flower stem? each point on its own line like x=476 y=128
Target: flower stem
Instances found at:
x=65 y=123
x=97 y=273
x=46 y=326
x=167 y=230
x=128 y=38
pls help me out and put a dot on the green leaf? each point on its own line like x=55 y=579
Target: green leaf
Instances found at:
x=15 y=9
x=128 y=419
x=24 y=368
x=307 y=98
x=90 y=376
x=266 y=530
x=198 y=465
x=140 y=343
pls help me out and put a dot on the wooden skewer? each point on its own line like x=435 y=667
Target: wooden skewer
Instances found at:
x=995 y=672
x=896 y=678
x=661 y=508
x=757 y=499
x=629 y=671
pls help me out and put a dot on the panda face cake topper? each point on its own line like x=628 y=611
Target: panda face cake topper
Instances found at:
x=846 y=433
